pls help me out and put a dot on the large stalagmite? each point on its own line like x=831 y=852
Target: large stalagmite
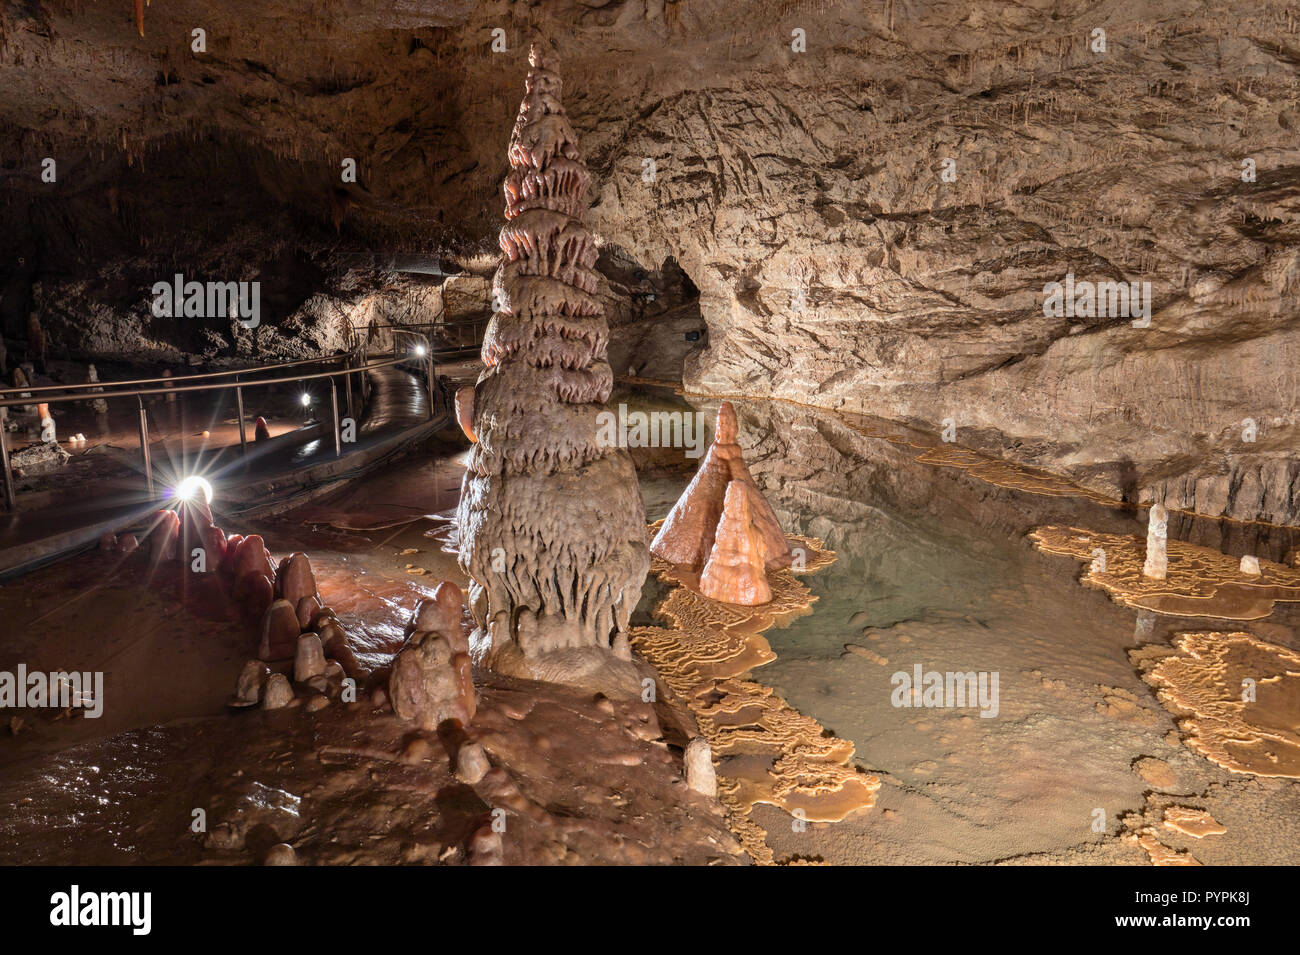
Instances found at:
x=552 y=527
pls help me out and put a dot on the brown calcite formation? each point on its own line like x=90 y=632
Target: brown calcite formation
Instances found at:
x=1204 y=681
x=552 y=527
x=734 y=572
x=687 y=535
x=431 y=678
x=442 y=613
x=280 y=632
x=465 y=411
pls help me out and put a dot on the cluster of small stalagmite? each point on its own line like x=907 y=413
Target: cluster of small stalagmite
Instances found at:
x=296 y=631
x=722 y=527
x=296 y=625
x=552 y=527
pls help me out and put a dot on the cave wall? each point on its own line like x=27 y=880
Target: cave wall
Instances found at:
x=839 y=260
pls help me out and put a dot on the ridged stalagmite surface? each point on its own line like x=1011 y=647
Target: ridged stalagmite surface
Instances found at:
x=734 y=572
x=686 y=537
x=552 y=527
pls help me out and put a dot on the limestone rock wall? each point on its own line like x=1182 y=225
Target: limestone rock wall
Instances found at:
x=792 y=158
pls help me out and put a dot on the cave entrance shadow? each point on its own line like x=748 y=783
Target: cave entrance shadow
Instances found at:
x=1128 y=486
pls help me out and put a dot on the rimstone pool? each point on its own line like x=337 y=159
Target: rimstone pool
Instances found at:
x=934 y=570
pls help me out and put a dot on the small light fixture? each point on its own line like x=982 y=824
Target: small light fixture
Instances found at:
x=305 y=400
x=419 y=351
x=193 y=486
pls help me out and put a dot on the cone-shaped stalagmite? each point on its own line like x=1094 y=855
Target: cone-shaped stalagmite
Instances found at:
x=686 y=537
x=734 y=572
x=552 y=527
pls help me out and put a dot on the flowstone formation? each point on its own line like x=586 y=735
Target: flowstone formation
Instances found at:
x=765 y=751
x=1195 y=581
x=552 y=527
x=1237 y=699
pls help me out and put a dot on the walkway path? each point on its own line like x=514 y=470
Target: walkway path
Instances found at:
x=276 y=470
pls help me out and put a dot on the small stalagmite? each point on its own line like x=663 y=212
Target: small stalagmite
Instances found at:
x=426 y=684
x=251 y=558
x=248 y=690
x=431 y=679
x=97 y=405
x=309 y=609
x=686 y=537
x=231 y=552
x=279 y=632
x=278 y=692
x=214 y=543
x=698 y=763
x=442 y=613
x=164 y=535
x=309 y=661
x=735 y=571
x=1157 y=562
x=295 y=579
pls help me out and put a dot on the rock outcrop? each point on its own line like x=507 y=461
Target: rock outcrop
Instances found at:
x=552 y=528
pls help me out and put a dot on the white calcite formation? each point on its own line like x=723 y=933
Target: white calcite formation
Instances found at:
x=1157 y=562
x=97 y=405
x=48 y=434
x=700 y=774
x=552 y=527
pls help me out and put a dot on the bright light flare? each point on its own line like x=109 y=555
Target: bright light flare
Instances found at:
x=305 y=400
x=190 y=488
x=419 y=351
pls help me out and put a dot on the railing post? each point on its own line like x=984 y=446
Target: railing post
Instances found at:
x=347 y=384
x=334 y=404
x=239 y=411
x=11 y=503
x=431 y=388
x=144 y=445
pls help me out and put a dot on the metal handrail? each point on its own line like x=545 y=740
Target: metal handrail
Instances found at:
x=92 y=385
x=427 y=361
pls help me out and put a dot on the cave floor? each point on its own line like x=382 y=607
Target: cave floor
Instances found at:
x=933 y=569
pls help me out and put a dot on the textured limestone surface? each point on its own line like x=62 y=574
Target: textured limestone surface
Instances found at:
x=840 y=259
x=551 y=524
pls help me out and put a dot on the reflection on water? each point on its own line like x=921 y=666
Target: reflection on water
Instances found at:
x=934 y=571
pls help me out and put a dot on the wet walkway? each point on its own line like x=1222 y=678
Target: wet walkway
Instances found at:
x=282 y=468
